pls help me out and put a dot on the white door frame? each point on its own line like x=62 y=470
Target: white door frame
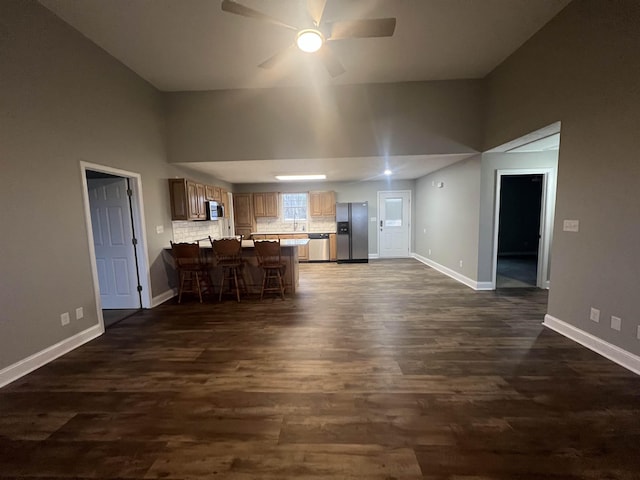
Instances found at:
x=409 y=206
x=547 y=208
x=137 y=208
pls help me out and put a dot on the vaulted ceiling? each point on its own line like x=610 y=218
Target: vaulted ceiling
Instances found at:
x=180 y=45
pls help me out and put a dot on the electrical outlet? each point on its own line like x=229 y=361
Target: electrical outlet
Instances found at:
x=159 y=229
x=429 y=252
x=79 y=313
x=64 y=319
x=571 y=225
x=460 y=263
x=616 y=323
x=595 y=314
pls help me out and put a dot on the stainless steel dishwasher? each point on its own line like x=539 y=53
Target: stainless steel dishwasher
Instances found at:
x=318 y=247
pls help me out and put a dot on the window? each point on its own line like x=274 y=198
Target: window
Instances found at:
x=294 y=207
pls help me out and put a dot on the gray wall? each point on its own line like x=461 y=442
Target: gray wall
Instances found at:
x=447 y=218
x=345 y=192
x=339 y=121
x=64 y=100
x=583 y=69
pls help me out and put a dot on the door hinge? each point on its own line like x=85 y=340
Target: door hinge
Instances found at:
x=134 y=241
x=129 y=192
x=139 y=288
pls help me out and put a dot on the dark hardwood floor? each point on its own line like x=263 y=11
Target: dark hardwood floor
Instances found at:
x=387 y=370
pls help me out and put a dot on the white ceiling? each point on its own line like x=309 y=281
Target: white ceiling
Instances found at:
x=356 y=169
x=180 y=45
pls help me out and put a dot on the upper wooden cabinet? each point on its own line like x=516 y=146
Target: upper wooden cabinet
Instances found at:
x=213 y=193
x=225 y=201
x=243 y=210
x=187 y=199
x=265 y=204
x=322 y=204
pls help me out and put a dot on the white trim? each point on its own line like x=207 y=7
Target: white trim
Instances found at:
x=453 y=274
x=616 y=354
x=37 y=360
x=163 y=297
x=139 y=223
x=547 y=207
x=373 y=256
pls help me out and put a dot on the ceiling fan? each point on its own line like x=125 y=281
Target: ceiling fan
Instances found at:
x=316 y=36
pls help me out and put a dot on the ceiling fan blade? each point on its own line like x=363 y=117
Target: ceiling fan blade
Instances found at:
x=234 y=7
x=331 y=62
x=316 y=9
x=278 y=57
x=374 y=27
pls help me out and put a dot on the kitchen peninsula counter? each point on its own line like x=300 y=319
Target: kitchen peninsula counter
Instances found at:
x=252 y=272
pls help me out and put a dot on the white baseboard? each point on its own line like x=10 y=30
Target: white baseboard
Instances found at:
x=373 y=256
x=453 y=274
x=615 y=354
x=37 y=360
x=163 y=297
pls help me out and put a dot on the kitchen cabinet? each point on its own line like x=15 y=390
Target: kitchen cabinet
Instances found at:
x=265 y=204
x=225 y=201
x=243 y=214
x=187 y=199
x=212 y=192
x=303 y=250
x=322 y=204
x=333 y=247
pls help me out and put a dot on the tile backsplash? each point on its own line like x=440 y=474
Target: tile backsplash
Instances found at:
x=192 y=231
x=313 y=225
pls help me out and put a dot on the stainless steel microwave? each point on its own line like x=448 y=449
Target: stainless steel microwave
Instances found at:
x=215 y=210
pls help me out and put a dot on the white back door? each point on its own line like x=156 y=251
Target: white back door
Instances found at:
x=393 y=224
x=113 y=242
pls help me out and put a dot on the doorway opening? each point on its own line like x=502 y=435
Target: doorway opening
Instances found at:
x=519 y=230
x=117 y=242
x=523 y=228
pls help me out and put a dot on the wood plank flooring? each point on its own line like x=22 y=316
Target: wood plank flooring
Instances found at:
x=387 y=370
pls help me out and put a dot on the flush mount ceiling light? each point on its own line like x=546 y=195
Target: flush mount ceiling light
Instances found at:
x=388 y=172
x=301 y=177
x=309 y=40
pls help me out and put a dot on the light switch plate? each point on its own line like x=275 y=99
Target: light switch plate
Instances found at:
x=64 y=318
x=595 y=314
x=79 y=313
x=571 y=225
x=159 y=229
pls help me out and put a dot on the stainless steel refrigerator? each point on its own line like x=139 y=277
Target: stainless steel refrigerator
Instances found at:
x=353 y=232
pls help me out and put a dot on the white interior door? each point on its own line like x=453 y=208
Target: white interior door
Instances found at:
x=113 y=242
x=393 y=224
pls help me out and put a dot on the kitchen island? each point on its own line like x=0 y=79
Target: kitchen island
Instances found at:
x=252 y=272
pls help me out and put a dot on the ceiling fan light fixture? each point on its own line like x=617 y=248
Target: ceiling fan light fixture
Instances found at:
x=309 y=40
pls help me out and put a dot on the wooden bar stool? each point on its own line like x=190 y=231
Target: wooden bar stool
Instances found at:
x=193 y=271
x=228 y=253
x=270 y=260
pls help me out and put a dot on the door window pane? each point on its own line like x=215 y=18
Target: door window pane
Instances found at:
x=393 y=212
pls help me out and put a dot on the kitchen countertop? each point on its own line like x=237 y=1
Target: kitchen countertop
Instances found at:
x=285 y=242
x=287 y=233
